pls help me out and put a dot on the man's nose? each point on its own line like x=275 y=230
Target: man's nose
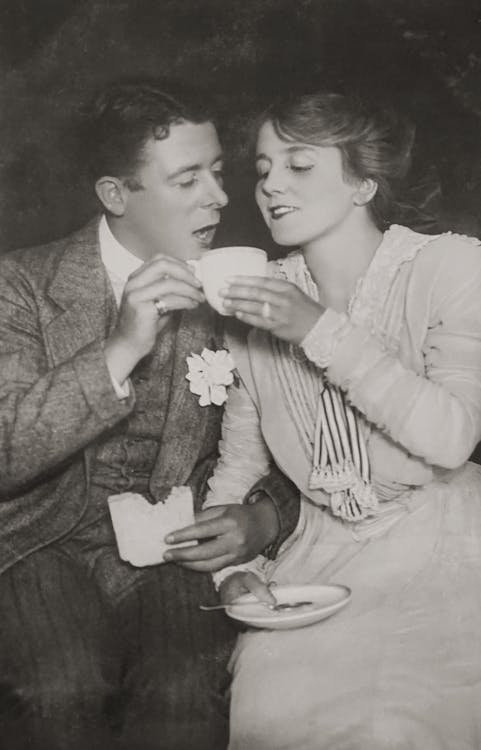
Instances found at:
x=216 y=195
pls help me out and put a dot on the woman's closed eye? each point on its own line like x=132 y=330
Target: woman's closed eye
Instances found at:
x=263 y=174
x=300 y=167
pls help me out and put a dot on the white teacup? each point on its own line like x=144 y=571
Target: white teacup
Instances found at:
x=215 y=266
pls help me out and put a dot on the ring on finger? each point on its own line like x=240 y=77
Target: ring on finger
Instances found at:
x=161 y=307
x=266 y=310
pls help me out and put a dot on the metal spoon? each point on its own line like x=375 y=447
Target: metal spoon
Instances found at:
x=282 y=607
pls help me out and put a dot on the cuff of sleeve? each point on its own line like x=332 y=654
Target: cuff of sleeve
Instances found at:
x=96 y=384
x=121 y=391
x=286 y=499
x=319 y=343
x=355 y=359
x=254 y=566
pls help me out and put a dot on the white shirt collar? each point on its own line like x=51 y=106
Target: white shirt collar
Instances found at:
x=118 y=261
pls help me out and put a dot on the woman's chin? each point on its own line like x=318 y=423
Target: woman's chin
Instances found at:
x=286 y=239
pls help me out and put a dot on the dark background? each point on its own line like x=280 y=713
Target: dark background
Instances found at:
x=423 y=54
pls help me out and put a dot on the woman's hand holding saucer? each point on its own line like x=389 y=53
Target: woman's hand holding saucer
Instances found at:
x=272 y=304
x=245 y=582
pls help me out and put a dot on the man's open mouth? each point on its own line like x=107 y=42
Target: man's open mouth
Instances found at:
x=205 y=235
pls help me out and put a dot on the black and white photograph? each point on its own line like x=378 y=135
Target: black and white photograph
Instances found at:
x=240 y=375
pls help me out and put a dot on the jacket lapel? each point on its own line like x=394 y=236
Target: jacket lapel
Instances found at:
x=186 y=420
x=80 y=289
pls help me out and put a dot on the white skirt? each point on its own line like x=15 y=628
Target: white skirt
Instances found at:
x=400 y=667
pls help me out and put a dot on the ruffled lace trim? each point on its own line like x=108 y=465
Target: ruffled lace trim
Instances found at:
x=400 y=245
x=294 y=268
x=367 y=304
x=319 y=343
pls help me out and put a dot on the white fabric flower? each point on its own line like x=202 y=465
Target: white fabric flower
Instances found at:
x=209 y=374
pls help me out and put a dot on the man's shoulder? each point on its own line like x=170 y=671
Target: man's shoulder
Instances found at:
x=40 y=262
x=36 y=258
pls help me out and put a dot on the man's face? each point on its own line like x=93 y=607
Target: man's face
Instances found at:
x=178 y=208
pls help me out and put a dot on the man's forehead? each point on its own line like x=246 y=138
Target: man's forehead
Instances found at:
x=186 y=145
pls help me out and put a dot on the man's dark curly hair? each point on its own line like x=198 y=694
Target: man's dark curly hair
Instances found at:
x=127 y=114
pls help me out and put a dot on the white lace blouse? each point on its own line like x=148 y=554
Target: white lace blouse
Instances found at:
x=407 y=354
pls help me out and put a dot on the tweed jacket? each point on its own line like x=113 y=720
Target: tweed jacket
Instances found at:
x=56 y=395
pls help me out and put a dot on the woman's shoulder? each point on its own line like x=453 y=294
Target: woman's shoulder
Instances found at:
x=447 y=270
x=432 y=263
x=450 y=254
x=434 y=255
x=399 y=236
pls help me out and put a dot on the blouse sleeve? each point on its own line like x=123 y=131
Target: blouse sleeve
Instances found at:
x=244 y=457
x=243 y=460
x=435 y=415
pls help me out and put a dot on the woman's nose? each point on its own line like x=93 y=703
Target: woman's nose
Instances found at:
x=272 y=183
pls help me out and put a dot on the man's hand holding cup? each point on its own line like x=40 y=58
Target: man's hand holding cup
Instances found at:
x=157 y=288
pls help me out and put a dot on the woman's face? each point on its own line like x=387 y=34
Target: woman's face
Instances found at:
x=301 y=189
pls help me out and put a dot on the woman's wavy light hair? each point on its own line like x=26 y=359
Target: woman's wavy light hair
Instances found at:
x=374 y=143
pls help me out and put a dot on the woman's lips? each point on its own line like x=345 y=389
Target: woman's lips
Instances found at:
x=278 y=212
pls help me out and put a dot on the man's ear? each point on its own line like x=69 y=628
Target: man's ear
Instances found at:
x=365 y=192
x=113 y=194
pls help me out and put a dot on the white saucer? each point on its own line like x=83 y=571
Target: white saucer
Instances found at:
x=326 y=600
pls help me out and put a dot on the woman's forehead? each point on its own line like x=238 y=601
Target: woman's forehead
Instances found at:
x=270 y=142
x=269 y=138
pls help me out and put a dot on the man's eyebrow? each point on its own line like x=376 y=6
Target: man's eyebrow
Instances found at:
x=193 y=167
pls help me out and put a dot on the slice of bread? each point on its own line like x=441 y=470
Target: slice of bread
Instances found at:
x=140 y=527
